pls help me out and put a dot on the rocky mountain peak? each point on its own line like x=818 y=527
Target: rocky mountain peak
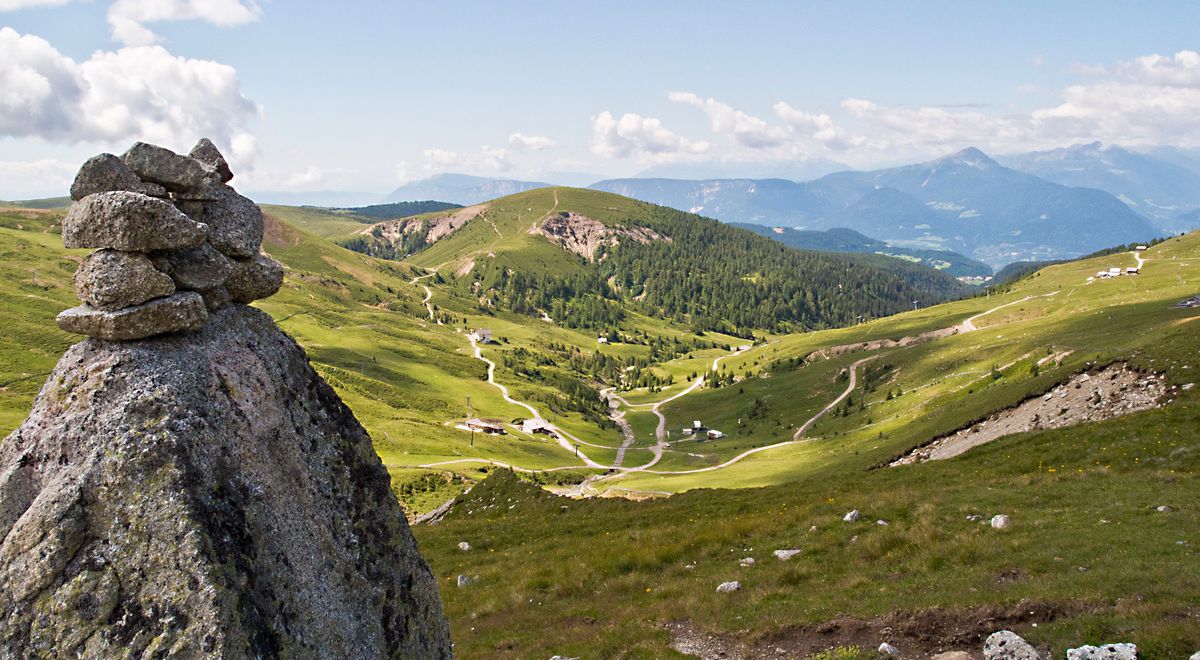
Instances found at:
x=186 y=484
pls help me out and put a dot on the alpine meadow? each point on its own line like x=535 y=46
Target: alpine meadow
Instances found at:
x=481 y=341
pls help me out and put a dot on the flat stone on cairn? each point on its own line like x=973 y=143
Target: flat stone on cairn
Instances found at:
x=206 y=153
x=235 y=223
x=196 y=268
x=181 y=311
x=254 y=279
x=163 y=166
x=111 y=279
x=164 y=261
x=129 y=221
x=106 y=172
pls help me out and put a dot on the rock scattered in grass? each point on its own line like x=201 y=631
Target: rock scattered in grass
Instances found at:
x=1001 y=521
x=853 y=516
x=465 y=580
x=784 y=555
x=746 y=562
x=728 y=587
x=464 y=546
x=881 y=523
x=1105 y=652
x=1007 y=645
x=888 y=649
x=1163 y=508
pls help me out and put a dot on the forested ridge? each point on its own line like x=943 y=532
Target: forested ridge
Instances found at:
x=713 y=277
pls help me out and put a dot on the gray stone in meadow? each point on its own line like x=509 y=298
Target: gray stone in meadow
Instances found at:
x=1104 y=652
x=728 y=587
x=784 y=555
x=235 y=223
x=163 y=166
x=852 y=516
x=105 y=173
x=111 y=279
x=1007 y=645
x=1001 y=521
x=131 y=222
x=197 y=268
x=207 y=154
x=181 y=311
x=888 y=649
x=254 y=279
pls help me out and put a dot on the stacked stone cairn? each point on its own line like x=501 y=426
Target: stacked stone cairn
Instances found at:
x=174 y=242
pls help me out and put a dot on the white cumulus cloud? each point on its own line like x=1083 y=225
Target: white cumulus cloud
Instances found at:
x=744 y=129
x=530 y=142
x=488 y=160
x=635 y=135
x=129 y=18
x=17 y=5
x=139 y=93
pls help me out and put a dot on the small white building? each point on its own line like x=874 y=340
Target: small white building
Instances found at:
x=482 y=335
x=714 y=434
x=601 y=340
x=538 y=425
x=1140 y=248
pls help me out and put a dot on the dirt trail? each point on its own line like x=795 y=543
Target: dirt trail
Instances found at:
x=428 y=293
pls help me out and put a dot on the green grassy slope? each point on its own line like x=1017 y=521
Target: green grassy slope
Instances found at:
x=1089 y=553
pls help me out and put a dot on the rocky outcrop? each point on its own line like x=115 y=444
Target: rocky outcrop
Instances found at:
x=585 y=237
x=1094 y=396
x=200 y=493
x=165 y=224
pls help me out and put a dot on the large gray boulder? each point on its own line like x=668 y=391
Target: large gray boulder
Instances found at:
x=1007 y=645
x=1123 y=651
x=163 y=166
x=196 y=268
x=204 y=495
x=184 y=310
x=111 y=279
x=105 y=173
x=235 y=223
x=131 y=222
x=207 y=154
x=254 y=279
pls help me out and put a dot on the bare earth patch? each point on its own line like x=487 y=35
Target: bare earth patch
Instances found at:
x=584 y=236
x=1088 y=397
x=916 y=634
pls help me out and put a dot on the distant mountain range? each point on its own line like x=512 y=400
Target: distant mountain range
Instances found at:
x=327 y=198
x=460 y=189
x=848 y=240
x=965 y=202
x=1156 y=188
x=794 y=170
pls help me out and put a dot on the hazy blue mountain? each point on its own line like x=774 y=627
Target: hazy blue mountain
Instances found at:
x=972 y=204
x=848 y=240
x=460 y=189
x=994 y=213
x=1156 y=188
x=759 y=201
x=792 y=170
x=1189 y=159
x=331 y=198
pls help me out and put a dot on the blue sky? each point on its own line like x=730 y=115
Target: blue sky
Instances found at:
x=364 y=95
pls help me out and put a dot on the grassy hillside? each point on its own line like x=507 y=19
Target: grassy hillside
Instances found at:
x=1089 y=557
